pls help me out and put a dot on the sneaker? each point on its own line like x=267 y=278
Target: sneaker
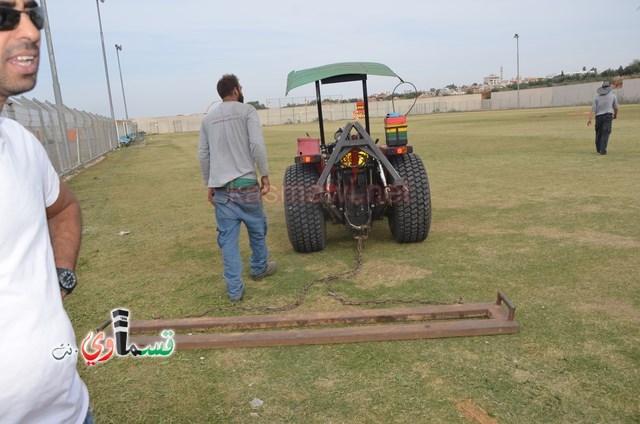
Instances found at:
x=270 y=269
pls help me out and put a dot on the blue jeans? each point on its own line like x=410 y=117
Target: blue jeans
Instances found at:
x=604 y=124
x=233 y=208
x=89 y=418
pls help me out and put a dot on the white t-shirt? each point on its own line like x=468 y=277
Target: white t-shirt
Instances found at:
x=39 y=381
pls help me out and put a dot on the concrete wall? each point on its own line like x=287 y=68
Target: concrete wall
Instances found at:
x=169 y=124
x=630 y=91
x=344 y=111
x=331 y=112
x=568 y=95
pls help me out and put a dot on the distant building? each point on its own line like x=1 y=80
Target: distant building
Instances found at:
x=493 y=80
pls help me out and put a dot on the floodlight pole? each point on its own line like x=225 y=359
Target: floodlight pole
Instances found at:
x=57 y=94
x=52 y=60
x=126 y=113
x=106 y=69
x=517 y=37
x=119 y=49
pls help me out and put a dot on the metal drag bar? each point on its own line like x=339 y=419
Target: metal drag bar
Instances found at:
x=384 y=325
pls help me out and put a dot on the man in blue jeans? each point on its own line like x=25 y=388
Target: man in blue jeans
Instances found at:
x=231 y=148
x=605 y=109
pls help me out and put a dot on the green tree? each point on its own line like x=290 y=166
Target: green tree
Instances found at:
x=257 y=105
x=633 y=68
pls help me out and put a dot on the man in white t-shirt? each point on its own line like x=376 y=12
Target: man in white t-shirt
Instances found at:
x=40 y=230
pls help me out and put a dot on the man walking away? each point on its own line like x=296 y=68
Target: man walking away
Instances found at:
x=231 y=147
x=605 y=109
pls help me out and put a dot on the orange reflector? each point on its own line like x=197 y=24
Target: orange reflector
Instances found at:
x=401 y=150
x=305 y=159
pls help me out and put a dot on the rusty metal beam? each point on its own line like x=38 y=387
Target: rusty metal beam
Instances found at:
x=368 y=316
x=337 y=335
x=463 y=320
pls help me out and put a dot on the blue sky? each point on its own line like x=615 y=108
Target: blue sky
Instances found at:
x=174 y=52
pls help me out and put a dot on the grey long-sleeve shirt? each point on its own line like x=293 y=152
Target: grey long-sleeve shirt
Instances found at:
x=231 y=145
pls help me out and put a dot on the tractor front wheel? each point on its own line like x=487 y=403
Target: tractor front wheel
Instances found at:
x=410 y=214
x=304 y=218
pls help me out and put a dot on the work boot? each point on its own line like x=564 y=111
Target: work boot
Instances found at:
x=270 y=269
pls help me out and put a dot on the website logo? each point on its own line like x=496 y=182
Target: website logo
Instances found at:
x=101 y=348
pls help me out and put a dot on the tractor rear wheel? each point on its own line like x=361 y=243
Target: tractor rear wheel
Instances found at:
x=410 y=214
x=306 y=226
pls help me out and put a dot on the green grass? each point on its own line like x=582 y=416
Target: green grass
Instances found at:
x=521 y=203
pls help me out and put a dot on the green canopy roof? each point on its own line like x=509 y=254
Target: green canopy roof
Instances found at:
x=298 y=78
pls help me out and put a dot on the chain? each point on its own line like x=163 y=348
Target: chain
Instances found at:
x=360 y=254
x=327 y=281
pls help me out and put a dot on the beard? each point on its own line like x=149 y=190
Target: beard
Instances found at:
x=241 y=98
x=13 y=83
x=15 y=88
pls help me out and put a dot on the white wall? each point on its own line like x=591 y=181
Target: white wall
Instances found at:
x=567 y=95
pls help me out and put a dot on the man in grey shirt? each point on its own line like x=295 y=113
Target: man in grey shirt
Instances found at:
x=605 y=109
x=231 y=148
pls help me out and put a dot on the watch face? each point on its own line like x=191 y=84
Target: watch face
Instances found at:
x=67 y=279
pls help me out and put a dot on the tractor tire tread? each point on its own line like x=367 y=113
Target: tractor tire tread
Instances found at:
x=410 y=216
x=304 y=218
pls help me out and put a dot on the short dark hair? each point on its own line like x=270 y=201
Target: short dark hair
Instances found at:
x=226 y=85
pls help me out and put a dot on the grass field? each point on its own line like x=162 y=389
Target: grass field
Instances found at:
x=521 y=203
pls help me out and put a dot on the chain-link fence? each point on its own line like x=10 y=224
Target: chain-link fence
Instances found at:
x=301 y=112
x=71 y=138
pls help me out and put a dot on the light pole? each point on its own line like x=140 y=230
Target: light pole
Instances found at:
x=56 y=84
x=126 y=113
x=517 y=37
x=52 y=60
x=119 y=49
x=106 y=70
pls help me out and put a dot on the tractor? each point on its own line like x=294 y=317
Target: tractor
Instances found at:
x=352 y=180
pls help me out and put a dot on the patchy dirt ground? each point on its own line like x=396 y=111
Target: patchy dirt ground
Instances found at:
x=474 y=412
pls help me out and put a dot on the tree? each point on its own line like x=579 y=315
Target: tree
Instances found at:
x=257 y=105
x=633 y=68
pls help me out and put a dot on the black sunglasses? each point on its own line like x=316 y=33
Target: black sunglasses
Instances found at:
x=10 y=18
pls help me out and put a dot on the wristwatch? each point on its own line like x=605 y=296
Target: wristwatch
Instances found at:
x=67 y=279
